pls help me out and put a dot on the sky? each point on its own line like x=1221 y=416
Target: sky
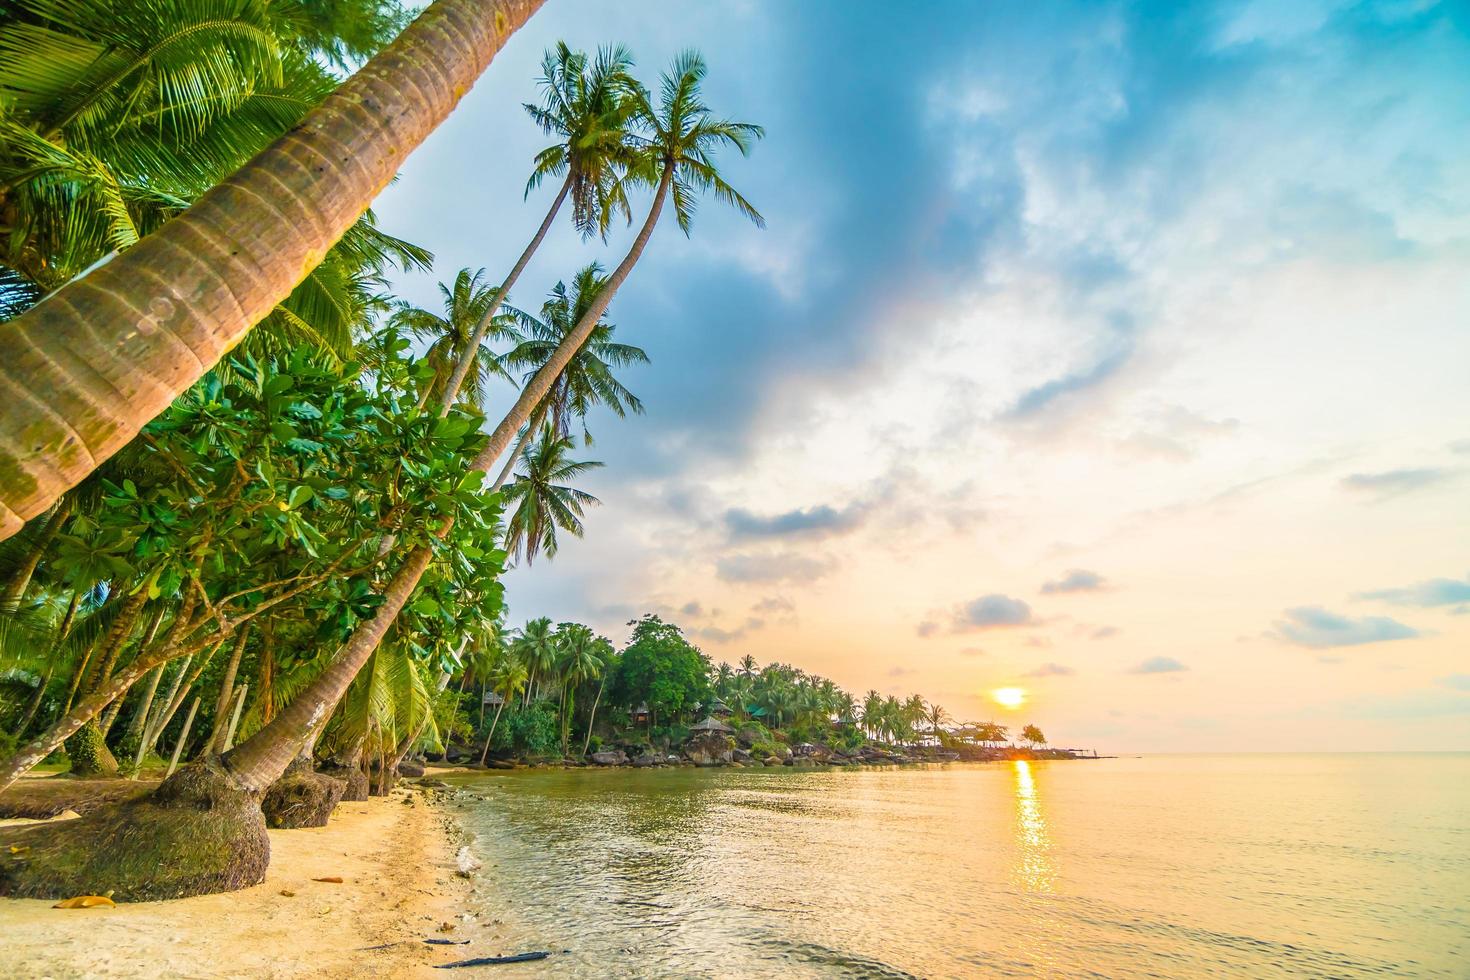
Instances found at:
x=1118 y=352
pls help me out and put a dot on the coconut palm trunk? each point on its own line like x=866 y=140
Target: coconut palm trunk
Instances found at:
x=485 y=752
x=591 y=718
x=86 y=368
x=462 y=367
x=261 y=759
x=15 y=589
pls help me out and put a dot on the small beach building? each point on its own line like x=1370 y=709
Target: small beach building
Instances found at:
x=640 y=714
x=492 y=699
x=711 y=724
x=719 y=709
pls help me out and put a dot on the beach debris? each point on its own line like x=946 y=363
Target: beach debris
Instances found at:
x=447 y=942
x=87 y=902
x=330 y=879
x=467 y=863
x=446 y=927
x=288 y=893
x=494 y=960
x=14 y=849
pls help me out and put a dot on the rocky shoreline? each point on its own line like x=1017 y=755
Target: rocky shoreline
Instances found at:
x=745 y=748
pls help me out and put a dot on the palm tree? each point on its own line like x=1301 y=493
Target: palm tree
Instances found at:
x=87 y=368
x=872 y=713
x=448 y=334
x=507 y=680
x=580 y=661
x=536 y=648
x=588 y=109
x=937 y=716
x=748 y=665
x=588 y=380
x=685 y=137
x=539 y=504
x=605 y=653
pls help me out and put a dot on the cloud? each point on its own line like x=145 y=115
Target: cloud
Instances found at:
x=1460 y=447
x=1052 y=670
x=692 y=608
x=1175 y=434
x=1455 y=682
x=814 y=522
x=901 y=671
x=1076 y=580
x=782 y=567
x=927 y=628
x=1394 y=483
x=1105 y=632
x=1159 y=665
x=1313 y=626
x=972 y=652
x=1426 y=594
x=991 y=612
x=774 y=605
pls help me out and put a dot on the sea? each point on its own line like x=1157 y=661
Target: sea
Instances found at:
x=1270 y=865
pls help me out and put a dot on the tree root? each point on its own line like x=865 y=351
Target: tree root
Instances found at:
x=197 y=834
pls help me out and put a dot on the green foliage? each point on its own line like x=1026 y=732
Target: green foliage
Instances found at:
x=661 y=668
x=529 y=731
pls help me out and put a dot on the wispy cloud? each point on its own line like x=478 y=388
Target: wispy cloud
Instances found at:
x=1455 y=682
x=1076 y=580
x=1052 y=670
x=1388 y=484
x=1159 y=665
x=1313 y=626
x=1426 y=594
x=781 y=567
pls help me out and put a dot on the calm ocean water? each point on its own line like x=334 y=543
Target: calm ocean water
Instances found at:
x=1164 y=866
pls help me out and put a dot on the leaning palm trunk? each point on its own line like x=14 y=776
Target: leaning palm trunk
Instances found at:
x=15 y=589
x=85 y=369
x=261 y=759
x=462 y=368
x=510 y=461
x=485 y=752
x=593 y=716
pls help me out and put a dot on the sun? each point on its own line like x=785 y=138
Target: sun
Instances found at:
x=1009 y=697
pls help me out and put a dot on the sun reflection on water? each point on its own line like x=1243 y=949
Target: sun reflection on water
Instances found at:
x=1034 y=870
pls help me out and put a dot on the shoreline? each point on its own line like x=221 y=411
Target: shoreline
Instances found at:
x=395 y=854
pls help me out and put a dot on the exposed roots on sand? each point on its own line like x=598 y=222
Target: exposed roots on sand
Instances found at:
x=302 y=797
x=197 y=834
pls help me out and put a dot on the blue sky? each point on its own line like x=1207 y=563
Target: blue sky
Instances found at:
x=1114 y=351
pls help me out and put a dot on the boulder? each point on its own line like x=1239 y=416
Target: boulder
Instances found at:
x=411 y=768
x=772 y=761
x=617 y=757
x=646 y=759
x=739 y=755
x=747 y=737
x=709 y=749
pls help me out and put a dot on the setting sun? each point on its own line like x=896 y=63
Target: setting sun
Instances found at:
x=1009 y=697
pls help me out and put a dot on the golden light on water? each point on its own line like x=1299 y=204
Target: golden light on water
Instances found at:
x=1034 y=870
x=1009 y=697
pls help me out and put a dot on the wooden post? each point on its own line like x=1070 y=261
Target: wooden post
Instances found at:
x=235 y=718
x=183 y=737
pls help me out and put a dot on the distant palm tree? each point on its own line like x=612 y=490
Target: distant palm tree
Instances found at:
x=587 y=381
x=507 y=679
x=937 y=716
x=540 y=504
x=580 y=660
x=536 y=648
x=748 y=666
x=450 y=336
x=589 y=109
x=606 y=654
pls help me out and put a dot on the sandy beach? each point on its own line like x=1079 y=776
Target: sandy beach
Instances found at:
x=396 y=859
